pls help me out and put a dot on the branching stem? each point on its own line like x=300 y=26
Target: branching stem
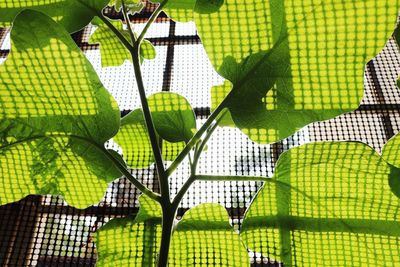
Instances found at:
x=128 y=22
x=192 y=142
x=150 y=21
x=163 y=178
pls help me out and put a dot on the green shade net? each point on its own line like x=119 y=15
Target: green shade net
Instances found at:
x=113 y=52
x=55 y=116
x=72 y=14
x=328 y=204
x=292 y=62
x=174 y=121
x=203 y=237
x=131 y=242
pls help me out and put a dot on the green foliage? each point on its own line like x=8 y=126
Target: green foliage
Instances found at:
x=135 y=242
x=204 y=237
x=173 y=116
x=328 y=204
x=312 y=61
x=391 y=154
x=72 y=14
x=286 y=64
x=55 y=117
x=175 y=123
x=131 y=242
x=113 y=52
x=132 y=6
x=179 y=10
x=135 y=142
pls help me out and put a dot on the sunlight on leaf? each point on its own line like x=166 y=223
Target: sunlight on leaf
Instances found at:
x=147 y=50
x=55 y=116
x=328 y=204
x=135 y=142
x=72 y=14
x=391 y=153
x=319 y=47
x=132 y=6
x=173 y=116
x=183 y=10
x=204 y=237
x=113 y=52
x=131 y=242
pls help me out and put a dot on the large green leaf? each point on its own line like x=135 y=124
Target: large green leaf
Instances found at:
x=113 y=52
x=391 y=153
x=183 y=10
x=131 y=242
x=328 y=204
x=173 y=116
x=297 y=61
x=204 y=237
x=55 y=116
x=135 y=142
x=72 y=14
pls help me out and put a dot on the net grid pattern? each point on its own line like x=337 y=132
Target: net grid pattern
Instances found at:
x=44 y=231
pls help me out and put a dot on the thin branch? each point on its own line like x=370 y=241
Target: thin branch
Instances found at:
x=193 y=178
x=150 y=21
x=163 y=178
x=132 y=179
x=192 y=142
x=128 y=22
x=183 y=190
x=203 y=143
x=117 y=33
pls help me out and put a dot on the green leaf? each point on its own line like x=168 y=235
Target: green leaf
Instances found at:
x=132 y=6
x=173 y=116
x=396 y=36
x=55 y=116
x=179 y=10
x=218 y=94
x=204 y=237
x=391 y=153
x=310 y=55
x=147 y=50
x=113 y=52
x=183 y=10
x=328 y=204
x=128 y=242
x=72 y=14
x=135 y=142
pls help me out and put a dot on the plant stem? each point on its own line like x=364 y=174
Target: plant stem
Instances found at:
x=150 y=21
x=167 y=224
x=132 y=179
x=182 y=191
x=194 y=139
x=163 y=178
x=123 y=40
x=199 y=149
x=128 y=22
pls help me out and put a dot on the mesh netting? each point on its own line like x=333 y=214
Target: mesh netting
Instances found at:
x=44 y=231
